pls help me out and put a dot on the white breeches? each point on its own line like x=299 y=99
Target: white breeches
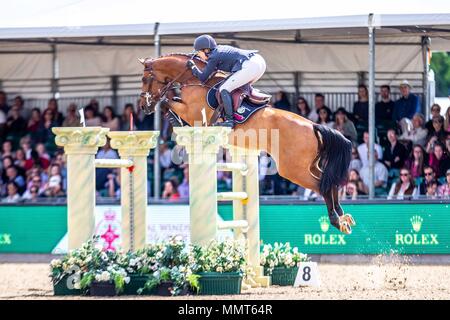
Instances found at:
x=252 y=70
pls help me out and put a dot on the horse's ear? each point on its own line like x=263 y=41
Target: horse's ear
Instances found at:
x=142 y=60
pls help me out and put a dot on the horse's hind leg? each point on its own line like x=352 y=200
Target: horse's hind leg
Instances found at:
x=336 y=219
x=337 y=206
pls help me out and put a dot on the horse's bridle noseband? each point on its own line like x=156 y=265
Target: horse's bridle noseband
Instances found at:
x=149 y=98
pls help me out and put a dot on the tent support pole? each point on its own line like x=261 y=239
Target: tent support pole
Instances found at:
x=425 y=87
x=297 y=87
x=371 y=107
x=55 y=73
x=157 y=124
x=114 y=88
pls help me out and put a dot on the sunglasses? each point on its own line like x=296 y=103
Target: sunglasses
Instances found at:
x=404 y=174
x=428 y=173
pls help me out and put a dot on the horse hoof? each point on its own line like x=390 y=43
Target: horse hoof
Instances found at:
x=349 y=219
x=344 y=227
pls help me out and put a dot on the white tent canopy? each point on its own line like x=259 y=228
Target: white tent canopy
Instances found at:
x=87 y=39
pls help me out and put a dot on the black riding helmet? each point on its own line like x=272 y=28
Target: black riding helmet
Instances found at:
x=204 y=41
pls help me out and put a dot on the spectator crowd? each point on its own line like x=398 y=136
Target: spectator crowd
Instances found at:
x=412 y=155
x=411 y=152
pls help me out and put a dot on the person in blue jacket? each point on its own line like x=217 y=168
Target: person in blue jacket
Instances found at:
x=408 y=104
x=246 y=66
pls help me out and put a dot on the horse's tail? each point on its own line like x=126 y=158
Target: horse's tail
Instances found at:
x=335 y=153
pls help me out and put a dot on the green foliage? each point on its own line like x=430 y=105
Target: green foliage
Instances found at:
x=440 y=64
x=86 y=280
x=193 y=281
x=119 y=282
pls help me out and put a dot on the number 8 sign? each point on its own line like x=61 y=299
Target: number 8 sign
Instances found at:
x=308 y=275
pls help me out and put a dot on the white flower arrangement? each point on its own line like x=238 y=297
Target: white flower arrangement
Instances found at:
x=56 y=263
x=112 y=274
x=169 y=261
x=281 y=255
x=88 y=263
x=226 y=256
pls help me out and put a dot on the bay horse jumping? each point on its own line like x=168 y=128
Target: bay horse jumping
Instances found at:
x=308 y=154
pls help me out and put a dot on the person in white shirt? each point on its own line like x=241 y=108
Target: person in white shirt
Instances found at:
x=106 y=152
x=2 y=121
x=325 y=117
x=13 y=193
x=364 y=147
x=165 y=156
x=418 y=135
x=380 y=173
x=355 y=163
x=404 y=188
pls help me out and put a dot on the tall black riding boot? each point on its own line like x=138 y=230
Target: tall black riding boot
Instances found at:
x=227 y=101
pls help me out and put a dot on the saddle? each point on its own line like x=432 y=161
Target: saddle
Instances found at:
x=246 y=101
x=253 y=95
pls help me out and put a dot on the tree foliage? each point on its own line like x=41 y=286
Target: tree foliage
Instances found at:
x=440 y=64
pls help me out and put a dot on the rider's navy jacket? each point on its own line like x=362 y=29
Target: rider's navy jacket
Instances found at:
x=225 y=58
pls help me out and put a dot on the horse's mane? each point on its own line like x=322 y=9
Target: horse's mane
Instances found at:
x=218 y=74
x=187 y=55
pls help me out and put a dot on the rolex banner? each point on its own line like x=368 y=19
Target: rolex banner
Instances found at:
x=407 y=228
x=380 y=228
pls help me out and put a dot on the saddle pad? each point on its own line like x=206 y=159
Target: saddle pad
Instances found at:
x=242 y=113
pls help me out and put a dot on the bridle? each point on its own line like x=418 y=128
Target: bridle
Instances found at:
x=151 y=99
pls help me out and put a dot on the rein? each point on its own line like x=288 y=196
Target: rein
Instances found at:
x=150 y=99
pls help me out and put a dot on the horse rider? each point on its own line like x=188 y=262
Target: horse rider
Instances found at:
x=246 y=66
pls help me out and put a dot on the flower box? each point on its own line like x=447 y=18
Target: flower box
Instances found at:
x=102 y=289
x=216 y=283
x=60 y=288
x=283 y=276
x=165 y=289
x=137 y=281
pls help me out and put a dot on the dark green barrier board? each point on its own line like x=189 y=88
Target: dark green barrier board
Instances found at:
x=31 y=229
